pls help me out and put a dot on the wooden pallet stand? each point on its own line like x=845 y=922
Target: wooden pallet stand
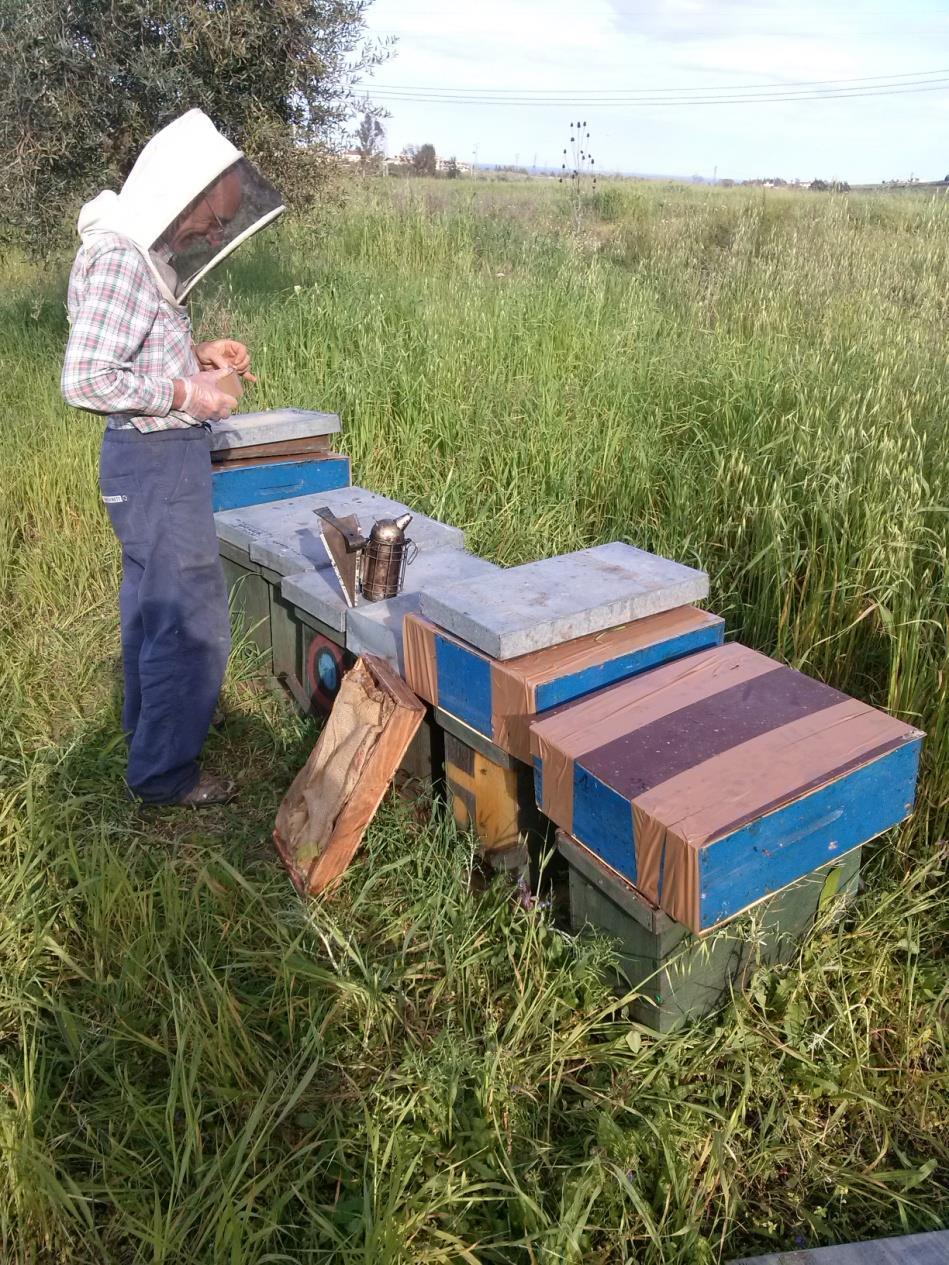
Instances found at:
x=683 y=977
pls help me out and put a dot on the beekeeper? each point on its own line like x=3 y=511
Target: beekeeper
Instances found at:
x=189 y=200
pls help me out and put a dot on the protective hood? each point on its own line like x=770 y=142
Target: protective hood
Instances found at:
x=190 y=199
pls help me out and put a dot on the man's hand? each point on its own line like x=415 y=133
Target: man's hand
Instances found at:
x=201 y=398
x=225 y=353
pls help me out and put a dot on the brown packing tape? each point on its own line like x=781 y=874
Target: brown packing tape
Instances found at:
x=600 y=718
x=661 y=854
x=672 y=822
x=618 y=710
x=557 y=785
x=514 y=682
x=756 y=777
x=421 y=670
x=513 y=703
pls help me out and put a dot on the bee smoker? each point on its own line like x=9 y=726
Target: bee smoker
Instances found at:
x=372 y=565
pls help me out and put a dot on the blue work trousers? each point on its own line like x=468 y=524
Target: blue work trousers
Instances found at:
x=173 y=602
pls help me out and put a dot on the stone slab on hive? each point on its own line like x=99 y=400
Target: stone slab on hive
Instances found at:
x=544 y=603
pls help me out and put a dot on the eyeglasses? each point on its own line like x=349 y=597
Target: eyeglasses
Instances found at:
x=219 y=225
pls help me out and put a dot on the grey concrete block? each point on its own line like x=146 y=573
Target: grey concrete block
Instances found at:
x=376 y=627
x=271 y=426
x=318 y=593
x=287 y=533
x=545 y=603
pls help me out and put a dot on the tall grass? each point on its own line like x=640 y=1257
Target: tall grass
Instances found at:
x=196 y=1067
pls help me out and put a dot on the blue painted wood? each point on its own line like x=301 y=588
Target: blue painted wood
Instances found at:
x=568 y=688
x=783 y=846
x=464 y=684
x=603 y=820
x=770 y=853
x=276 y=481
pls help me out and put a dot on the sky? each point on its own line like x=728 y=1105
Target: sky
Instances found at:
x=562 y=57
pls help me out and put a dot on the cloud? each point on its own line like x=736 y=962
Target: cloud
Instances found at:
x=550 y=46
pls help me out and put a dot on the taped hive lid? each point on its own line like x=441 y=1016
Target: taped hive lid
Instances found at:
x=558 y=599
x=715 y=780
x=246 y=430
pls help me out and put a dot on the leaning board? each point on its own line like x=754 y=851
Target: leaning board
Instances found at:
x=499 y=699
x=713 y=781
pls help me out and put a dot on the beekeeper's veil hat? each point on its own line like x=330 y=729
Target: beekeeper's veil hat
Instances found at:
x=190 y=199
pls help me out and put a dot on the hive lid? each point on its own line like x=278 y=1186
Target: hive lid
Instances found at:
x=245 y=430
x=558 y=599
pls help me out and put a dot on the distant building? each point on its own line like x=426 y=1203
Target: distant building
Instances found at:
x=351 y=156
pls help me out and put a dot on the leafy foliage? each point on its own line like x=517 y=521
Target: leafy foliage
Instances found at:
x=370 y=139
x=424 y=160
x=87 y=82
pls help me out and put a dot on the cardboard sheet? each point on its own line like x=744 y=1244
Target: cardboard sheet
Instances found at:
x=335 y=795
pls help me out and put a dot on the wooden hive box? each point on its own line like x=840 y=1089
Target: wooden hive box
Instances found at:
x=499 y=699
x=679 y=977
x=259 y=458
x=714 y=781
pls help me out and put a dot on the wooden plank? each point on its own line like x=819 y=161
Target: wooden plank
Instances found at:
x=494 y=799
x=499 y=700
x=497 y=810
x=717 y=779
x=909 y=1249
x=350 y=807
x=280 y=451
x=451 y=724
x=680 y=977
x=770 y=853
x=464 y=684
x=234 y=488
x=243 y=430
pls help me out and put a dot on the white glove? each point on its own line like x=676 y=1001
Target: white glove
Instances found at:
x=204 y=400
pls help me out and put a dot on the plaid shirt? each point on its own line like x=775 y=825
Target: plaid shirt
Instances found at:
x=126 y=342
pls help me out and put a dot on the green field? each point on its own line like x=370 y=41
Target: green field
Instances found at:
x=196 y=1067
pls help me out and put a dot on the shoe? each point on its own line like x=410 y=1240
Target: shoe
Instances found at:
x=218 y=720
x=210 y=789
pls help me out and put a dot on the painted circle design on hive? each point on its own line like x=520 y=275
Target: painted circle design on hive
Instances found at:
x=324 y=671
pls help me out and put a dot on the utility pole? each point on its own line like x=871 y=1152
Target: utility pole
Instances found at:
x=474 y=159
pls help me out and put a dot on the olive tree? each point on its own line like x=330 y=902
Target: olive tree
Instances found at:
x=87 y=82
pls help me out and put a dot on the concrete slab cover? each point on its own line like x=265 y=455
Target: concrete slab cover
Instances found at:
x=912 y=1249
x=376 y=627
x=544 y=603
x=318 y=593
x=286 y=534
x=244 y=430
